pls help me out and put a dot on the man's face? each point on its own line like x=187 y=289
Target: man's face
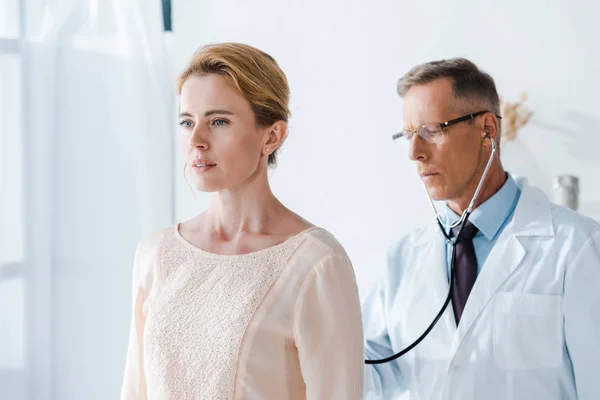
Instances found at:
x=448 y=166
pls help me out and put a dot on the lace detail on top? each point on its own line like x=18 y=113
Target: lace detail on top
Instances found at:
x=197 y=322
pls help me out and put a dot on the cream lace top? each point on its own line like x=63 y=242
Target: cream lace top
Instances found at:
x=279 y=323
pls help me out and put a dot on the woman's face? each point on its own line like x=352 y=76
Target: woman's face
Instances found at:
x=220 y=139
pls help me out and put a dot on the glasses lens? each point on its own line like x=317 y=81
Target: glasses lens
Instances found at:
x=402 y=136
x=431 y=133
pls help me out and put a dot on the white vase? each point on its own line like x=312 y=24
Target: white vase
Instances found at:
x=566 y=191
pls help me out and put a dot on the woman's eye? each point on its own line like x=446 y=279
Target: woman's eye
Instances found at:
x=185 y=124
x=220 y=122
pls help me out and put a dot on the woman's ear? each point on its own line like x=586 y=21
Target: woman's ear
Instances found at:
x=275 y=137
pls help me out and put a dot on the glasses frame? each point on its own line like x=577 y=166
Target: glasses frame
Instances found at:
x=442 y=125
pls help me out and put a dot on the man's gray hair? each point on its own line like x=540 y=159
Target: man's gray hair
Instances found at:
x=473 y=89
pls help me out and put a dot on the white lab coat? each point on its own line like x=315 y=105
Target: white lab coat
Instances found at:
x=531 y=326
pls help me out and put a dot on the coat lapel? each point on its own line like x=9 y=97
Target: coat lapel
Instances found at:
x=533 y=217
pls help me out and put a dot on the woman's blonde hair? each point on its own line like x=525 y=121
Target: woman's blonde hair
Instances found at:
x=254 y=73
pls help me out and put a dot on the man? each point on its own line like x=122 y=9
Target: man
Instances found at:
x=524 y=317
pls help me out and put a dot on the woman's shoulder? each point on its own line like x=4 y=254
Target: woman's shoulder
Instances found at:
x=155 y=239
x=151 y=248
x=322 y=244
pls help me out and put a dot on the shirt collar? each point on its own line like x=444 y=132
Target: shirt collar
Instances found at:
x=490 y=216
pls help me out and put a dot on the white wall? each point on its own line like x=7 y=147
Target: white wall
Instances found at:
x=339 y=167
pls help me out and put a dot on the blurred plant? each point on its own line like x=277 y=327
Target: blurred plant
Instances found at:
x=514 y=116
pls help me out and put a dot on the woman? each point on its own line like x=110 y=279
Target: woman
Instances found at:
x=247 y=300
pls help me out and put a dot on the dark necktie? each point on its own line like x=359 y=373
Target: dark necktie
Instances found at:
x=465 y=268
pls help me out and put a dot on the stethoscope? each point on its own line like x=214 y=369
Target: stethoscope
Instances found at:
x=452 y=241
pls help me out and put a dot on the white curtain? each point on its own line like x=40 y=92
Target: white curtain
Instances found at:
x=12 y=282
x=97 y=175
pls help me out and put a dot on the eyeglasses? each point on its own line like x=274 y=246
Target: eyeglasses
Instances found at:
x=433 y=133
